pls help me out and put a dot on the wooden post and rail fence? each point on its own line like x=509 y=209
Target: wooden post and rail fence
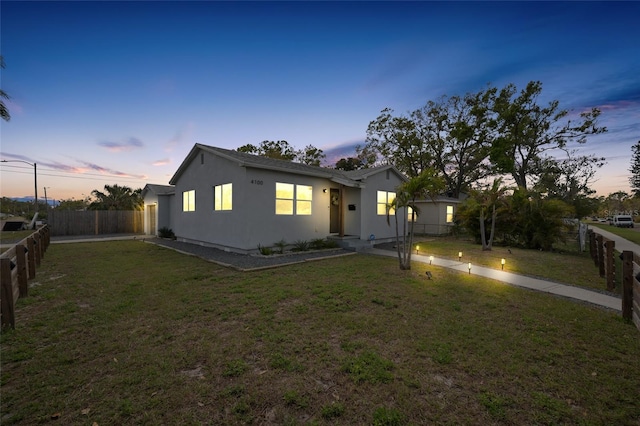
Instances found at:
x=602 y=252
x=17 y=267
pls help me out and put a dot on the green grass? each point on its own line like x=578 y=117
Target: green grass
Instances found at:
x=7 y=238
x=631 y=234
x=130 y=333
x=566 y=264
x=14 y=236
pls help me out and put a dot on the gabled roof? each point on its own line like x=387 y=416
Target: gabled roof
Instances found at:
x=353 y=178
x=158 y=189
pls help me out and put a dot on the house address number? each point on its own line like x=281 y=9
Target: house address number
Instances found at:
x=257 y=182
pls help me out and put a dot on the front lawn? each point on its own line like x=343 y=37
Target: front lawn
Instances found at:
x=630 y=234
x=130 y=333
x=567 y=264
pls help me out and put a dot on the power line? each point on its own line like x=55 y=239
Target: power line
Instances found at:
x=77 y=175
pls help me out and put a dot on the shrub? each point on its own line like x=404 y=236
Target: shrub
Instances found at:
x=165 y=232
x=301 y=245
x=281 y=245
x=316 y=244
x=265 y=251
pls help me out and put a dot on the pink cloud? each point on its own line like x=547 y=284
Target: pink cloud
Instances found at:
x=162 y=162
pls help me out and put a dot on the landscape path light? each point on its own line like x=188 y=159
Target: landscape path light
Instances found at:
x=430 y=260
x=469 y=268
x=502 y=261
x=417 y=249
x=459 y=255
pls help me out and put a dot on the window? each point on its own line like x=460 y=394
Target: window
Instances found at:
x=304 y=196
x=383 y=199
x=449 y=214
x=189 y=201
x=284 y=198
x=223 y=197
x=289 y=196
x=409 y=211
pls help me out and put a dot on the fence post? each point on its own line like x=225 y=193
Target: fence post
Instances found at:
x=31 y=258
x=21 y=261
x=38 y=248
x=41 y=243
x=592 y=244
x=47 y=237
x=627 y=285
x=8 y=313
x=600 y=247
x=610 y=264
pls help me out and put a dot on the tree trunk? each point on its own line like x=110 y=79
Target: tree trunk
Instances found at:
x=398 y=244
x=408 y=249
x=493 y=228
x=483 y=237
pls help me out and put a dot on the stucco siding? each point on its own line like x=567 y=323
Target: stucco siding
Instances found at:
x=352 y=218
x=225 y=228
x=265 y=227
x=433 y=217
x=372 y=223
x=163 y=212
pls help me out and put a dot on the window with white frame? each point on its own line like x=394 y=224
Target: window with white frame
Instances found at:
x=304 y=198
x=223 y=197
x=284 y=198
x=385 y=198
x=293 y=199
x=189 y=201
x=449 y=214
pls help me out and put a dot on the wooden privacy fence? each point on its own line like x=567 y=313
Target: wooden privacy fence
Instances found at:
x=95 y=222
x=17 y=266
x=602 y=252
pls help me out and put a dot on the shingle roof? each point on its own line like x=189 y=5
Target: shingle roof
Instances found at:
x=158 y=189
x=352 y=178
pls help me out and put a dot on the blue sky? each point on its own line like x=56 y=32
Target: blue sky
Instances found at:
x=118 y=92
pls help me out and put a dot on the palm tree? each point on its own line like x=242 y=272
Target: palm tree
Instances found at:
x=116 y=197
x=426 y=184
x=4 y=112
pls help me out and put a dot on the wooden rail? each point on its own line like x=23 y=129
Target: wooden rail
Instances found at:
x=17 y=266
x=602 y=250
x=631 y=287
x=602 y=253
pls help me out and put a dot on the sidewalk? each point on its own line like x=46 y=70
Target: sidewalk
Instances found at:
x=571 y=292
x=93 y=238
x=621 y=243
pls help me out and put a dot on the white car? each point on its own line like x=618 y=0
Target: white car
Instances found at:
x=623 y=221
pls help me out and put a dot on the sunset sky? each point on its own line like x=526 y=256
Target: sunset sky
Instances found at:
x=118 y=92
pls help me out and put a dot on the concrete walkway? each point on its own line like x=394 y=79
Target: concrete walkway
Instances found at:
x=621 y=243
x=571 y=292
x=96 y=238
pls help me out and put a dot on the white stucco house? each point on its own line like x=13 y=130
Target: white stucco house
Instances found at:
x=436 y=216
x=237 y=201
x=158 y=205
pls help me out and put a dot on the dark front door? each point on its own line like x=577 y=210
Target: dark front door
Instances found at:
x=334 y=211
